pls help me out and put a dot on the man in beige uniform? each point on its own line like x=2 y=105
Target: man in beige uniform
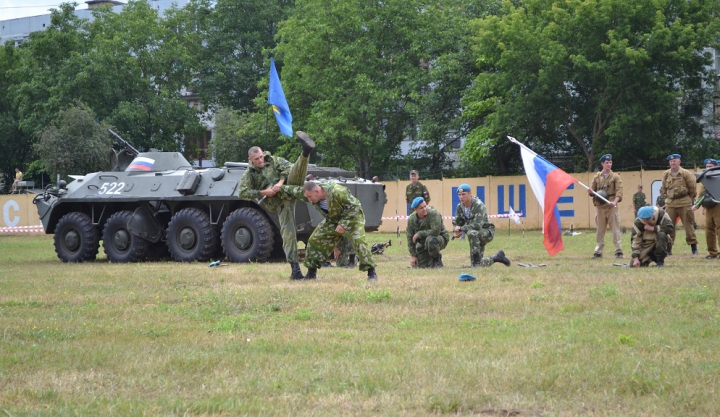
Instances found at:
x=678 y=184
x=712 y=215
x=610 y=183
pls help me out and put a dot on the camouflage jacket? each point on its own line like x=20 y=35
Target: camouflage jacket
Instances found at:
x=663 y=224
x=343 y=208
x=478 y=217
x=639 y=200
x=257 y=179
x=432 y=225
x=680 y=189
x=612 y=185
x=414 y=191
x=660 y=202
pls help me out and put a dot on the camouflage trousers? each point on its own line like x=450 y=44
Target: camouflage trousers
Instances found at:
x=428 y=250
x=324 y=239
x=654 y=247
x=346 y=249
x=478 y=239
x=286 y=213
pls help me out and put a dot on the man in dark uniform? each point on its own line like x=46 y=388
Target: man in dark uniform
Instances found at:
x=416 y=189
x=639 y=199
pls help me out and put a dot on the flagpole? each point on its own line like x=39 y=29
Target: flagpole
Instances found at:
x=515 y=141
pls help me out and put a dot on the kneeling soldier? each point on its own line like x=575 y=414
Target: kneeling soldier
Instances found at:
x=653 y=229
x=426 y=235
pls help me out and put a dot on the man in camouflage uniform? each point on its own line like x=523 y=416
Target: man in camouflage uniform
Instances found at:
x=606 y=214
x=416 y=189
x=345 y=254
x=712 y=215
x=652 y=236
x=660 y=201
x=262 y=181
x=344 y=217
x=679 y=187
x=471 y=218
x=639 y=199
x=426 y=235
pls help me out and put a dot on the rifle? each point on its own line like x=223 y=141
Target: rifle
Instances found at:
x=127 y=146
x=378 y=248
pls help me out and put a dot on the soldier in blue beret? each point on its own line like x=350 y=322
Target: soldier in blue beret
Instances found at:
x=679 y=188
x=426 y=235
x=651 y=237
x=471 y=218
x=609 y=185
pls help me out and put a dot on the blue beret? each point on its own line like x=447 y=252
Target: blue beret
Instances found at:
x=645 y=212
x=710 y=161
x=673 y=156
x=606 y=157
x=467 y=277
x=417 y=202
x=464 y=188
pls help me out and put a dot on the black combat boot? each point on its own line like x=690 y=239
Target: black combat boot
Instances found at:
x=307 y=144
x=437 y=263
x=500 y=257
x=312 y=273
x=660 y=263
x=372 y=276
x=475 y=259
x=669 y=250
x=296 y=273
x=351 y=262
x=694 y=248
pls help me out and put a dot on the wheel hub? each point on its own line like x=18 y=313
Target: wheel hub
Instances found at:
x=72 y=240
x=121 y=240
x=243 y=238
x=187 y=238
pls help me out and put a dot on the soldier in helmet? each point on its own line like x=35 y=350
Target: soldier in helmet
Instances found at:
x=608 y=184
x=639 y=199
x=262 y=181
x=712 y=215
x=652 y=236
x=678 y=185
x=426 y=235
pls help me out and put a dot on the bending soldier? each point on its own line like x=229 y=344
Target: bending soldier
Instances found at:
x=426 y=235
x=471 y=218
x=678 y=185
x=262 y=181
x=652 y=230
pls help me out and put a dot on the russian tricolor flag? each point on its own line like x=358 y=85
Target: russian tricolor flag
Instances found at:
x=141 y=163
x=548 y=182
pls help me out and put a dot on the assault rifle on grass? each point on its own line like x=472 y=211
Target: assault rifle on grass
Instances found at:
x=379 y=248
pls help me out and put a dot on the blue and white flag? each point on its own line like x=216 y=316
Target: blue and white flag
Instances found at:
x=276 y=97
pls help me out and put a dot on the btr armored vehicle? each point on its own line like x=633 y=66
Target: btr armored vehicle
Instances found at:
x=155 y=203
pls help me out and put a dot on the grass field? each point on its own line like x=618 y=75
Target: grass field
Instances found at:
x=577 y=337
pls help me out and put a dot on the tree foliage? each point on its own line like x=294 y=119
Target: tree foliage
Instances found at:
x=75 y=143
x=591 y=76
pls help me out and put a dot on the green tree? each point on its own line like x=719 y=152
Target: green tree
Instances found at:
x=237 y=131
x=591 y=76
x=75 y=143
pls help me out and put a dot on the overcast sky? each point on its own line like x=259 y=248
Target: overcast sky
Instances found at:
x=12 y=9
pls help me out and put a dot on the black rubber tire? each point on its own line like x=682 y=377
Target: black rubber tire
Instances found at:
x=76 y=239
x=191 y=236
x=119 y=244
x=247 y=236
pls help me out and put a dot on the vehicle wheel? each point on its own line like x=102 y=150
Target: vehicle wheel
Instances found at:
x=190 y=236
x=119 y=244
x=76 y=239
x=247 y=236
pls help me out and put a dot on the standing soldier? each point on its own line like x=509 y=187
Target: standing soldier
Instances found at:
x=344 y=217
x=639 y=199
x=651 y=237
x=471 y=218
x=679 y=188
x=608 y=184
x=712 y=215
x=426 y=235
x=660 y=201
x=262 y=181
x=416 y=189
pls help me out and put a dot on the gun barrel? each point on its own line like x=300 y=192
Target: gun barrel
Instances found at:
x=124 y=143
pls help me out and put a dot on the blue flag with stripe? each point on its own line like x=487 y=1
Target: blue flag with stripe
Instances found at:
x=276 y=97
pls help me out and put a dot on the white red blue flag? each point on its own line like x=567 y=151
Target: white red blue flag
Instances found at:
x=548 y=182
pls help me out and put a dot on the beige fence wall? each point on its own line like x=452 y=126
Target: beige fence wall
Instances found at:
x=498 y=193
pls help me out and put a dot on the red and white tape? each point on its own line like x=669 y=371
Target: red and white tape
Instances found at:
x=493 y=216
x=23 y=229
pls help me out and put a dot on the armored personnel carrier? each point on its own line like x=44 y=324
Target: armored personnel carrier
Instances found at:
x=155 y=203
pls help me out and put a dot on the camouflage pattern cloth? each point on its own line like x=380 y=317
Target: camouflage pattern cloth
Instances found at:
x=652 y=245
x=257 y=179
x=432 y=237
x=343 y=209
x=346 y=249
x=477 y=228
x=660 y=202
x=680 y=190
x=414 y=191
x=639 y=200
